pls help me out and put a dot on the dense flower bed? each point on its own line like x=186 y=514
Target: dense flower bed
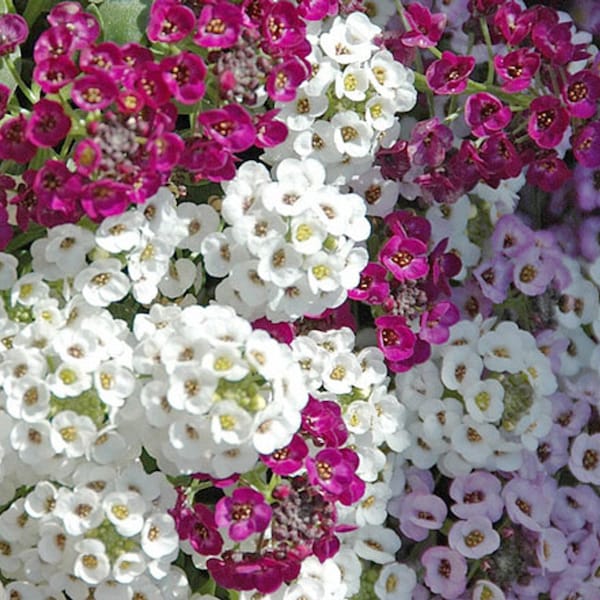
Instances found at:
x=300 y=300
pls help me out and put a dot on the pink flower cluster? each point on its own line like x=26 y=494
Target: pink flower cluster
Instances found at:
x=409 y=285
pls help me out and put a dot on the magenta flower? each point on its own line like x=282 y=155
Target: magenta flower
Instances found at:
x=102 y=57
x=426 y=28
x=84 y=26
x=548 y=121
x=219 y=25
x=517 y=69
x=435 y=323
x=170 y=23
x=373 y=287
x=548 y=171
x=87 y=156
x=513 y=22
x=289 y=459
x=581 y=93
x=405 y=258
x=202 y=532
x=406 y=224
x=104 y=198
x=283 y=31
x=53 y=43
x=165 y=151
x=395 y=339
x=500 y=159
x=334 y=471
x=445 y=571
x=52 y=74
x=48 y=124
x=230 y=126
x=94 y=91
x=14 y=143
x=283 y=80
x=449 y=74
x=429 y=142
x=322 y=420
x=5 y=94
x=184 y=74
x=243 y=513
x=208 y=159
x=147 y=79
x=443 y=266
x=13 y=32
x=586 y=145
x=485 y=114
x=317 y=10
x=554 y=41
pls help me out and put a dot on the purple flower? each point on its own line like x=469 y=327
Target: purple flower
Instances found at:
x=435 y=323
x=510 y=235
x=548 y=121
x=513 y=22
x=494 y=277
x=283 y=31
x=477 y=494
x=103 y=198
x=531 y=274
x=548 y=171
x=13 y=31
x=421 y=513
x=52 y=74
x=322 y=420
x=14 y=143
x=568 y=414
x=529 y=503
x=574 y=507
x=270 y=132
x=283 y=80
x=584 y=461
x=474 y=538
x=445 y=571
x=552 y=451
x=48 y=124
x=500 y=159
x=587 y=184
x=551 y=550
x=449 y=74
x=53 y=43
x=586 y=145
x=243 y=513
x=485 y=114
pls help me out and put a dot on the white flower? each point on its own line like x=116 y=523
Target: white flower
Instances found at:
x=280 y=264
x=380 y=194
x=227 y=460
x=8 y=270
x=379 y=113
x=125 y=510
x=159 y=537
x=69 y=380
x=54 y=542
x=67 y=247
x=350 y=41
x=120 y=233
x=202 y=220
x=92 y=564
x=73 y=433
x=391 y=79
x=114 y=383
x=484 y=400
x=461 y=368
x=41 y=500
x=229 y=423
x=179 y=278
x=29 y=289
x=474 y=441
x=352 y=135
x=318 y=143
x=80 y=510
x=128 y=567
x=395 y=582
x=32 y=441
x=376 y=543
x=102 y=283
x=28 y=398
x=505 y=348
x=352 y=83
x=301 y=113
x=372 y=509
x=220 y=253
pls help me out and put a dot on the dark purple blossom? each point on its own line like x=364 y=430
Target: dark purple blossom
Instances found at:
x=586 y=145
x=485 y=114
x=548 y=121
x=426 y=29
x=48 y=124
x=517 y=69
x=449 y=74
x=14 y=143
x=429 y=142
x=13 y=32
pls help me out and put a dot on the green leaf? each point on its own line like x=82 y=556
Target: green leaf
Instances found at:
x=124 y=20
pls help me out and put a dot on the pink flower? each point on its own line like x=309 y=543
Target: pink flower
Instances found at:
x=83 y=25
x=580 y=94
x=270 y=132
x=322 y=421
x=513 y=22
x=5 y=94
x=426 y=28
x=548 y=121
x=170 y=23
x=244 y=512
x=548 y=171
x=283 y=31
x=13 y=32
x=289 y=459
x=102 y=57
x=435 y=323
x=104 y=198
x=429 y=141
x=48 y=124
x=283 y=80
x=373 y=287
x=317 y=10
x=52 y=74
x=14 y=143
x=53 y=43
x=449 y=74
x=208 y=159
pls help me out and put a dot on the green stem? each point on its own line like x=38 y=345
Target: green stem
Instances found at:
x=24 y=239
x=488 y=43
x=10 y=65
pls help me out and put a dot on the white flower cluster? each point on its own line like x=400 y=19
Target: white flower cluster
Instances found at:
x=107 y=534
x=217 y=393
x=142 y=241
x=290 y=247
x=480 y=401
x=347 y=109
